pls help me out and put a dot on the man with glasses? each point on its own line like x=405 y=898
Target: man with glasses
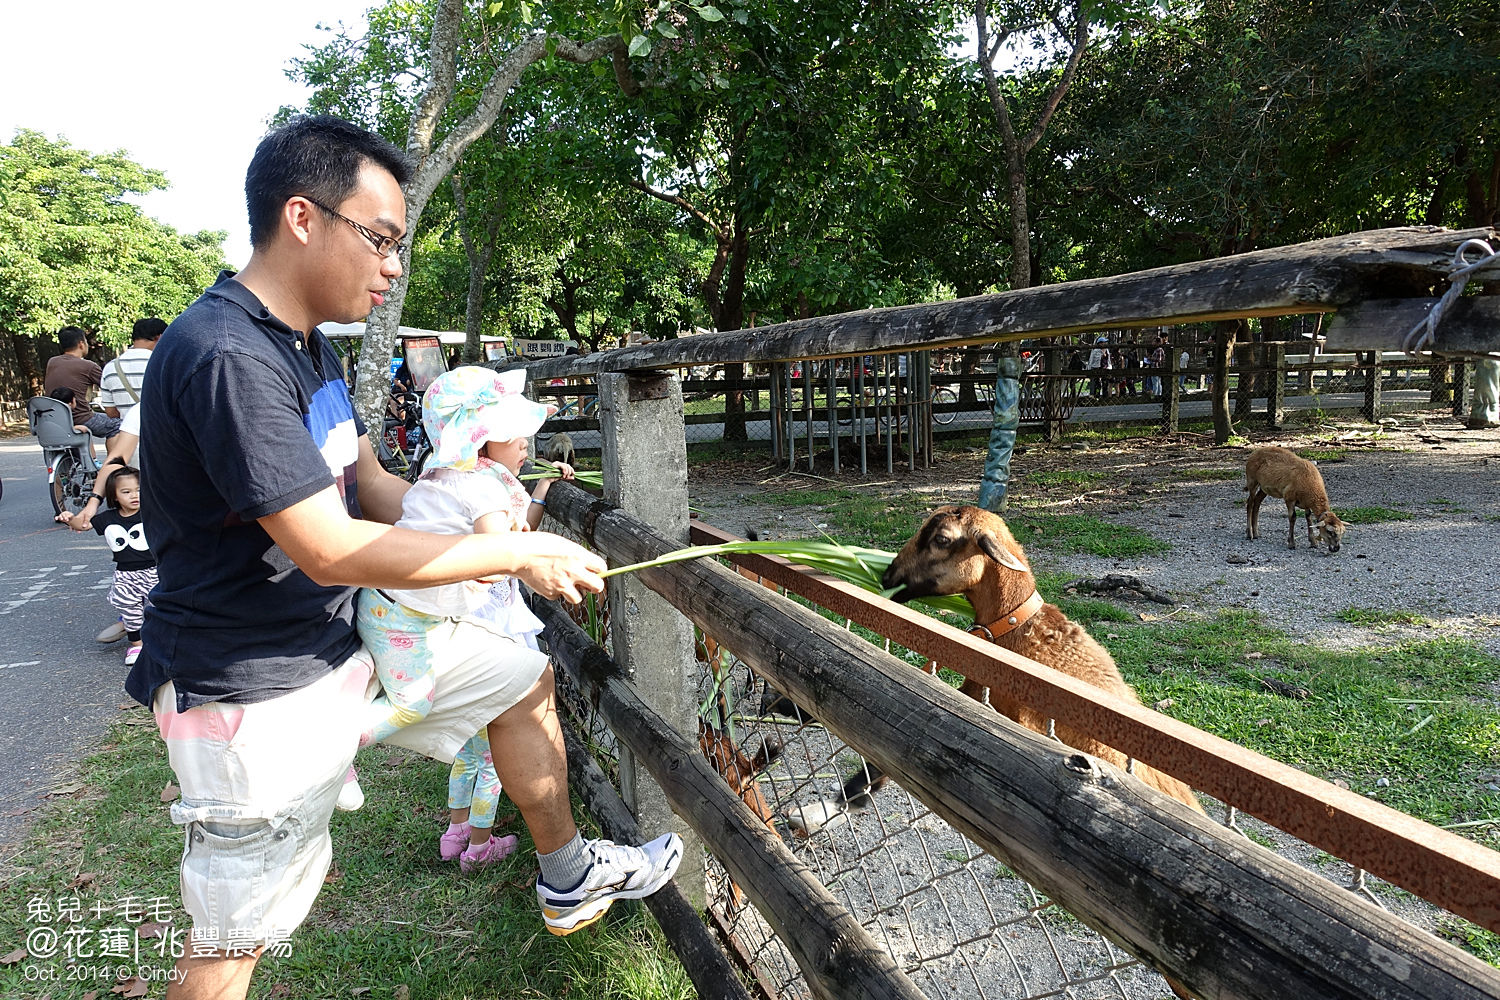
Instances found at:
x=267 y=508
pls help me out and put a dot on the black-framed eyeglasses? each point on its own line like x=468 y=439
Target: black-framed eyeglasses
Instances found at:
x=386 y=246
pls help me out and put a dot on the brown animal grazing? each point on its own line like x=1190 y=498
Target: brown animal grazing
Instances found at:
x=1279 y=473
x=969 y=551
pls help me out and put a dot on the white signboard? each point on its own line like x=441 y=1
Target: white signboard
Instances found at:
x=528 y=348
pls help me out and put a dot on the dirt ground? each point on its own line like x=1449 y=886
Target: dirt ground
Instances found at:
x=1436 y=564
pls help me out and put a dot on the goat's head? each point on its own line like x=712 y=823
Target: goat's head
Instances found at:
x=1330 y=531
x=958 y=550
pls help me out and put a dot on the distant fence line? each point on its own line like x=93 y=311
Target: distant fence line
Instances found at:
x=887 y=410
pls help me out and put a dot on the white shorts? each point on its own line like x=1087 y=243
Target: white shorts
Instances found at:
x=259 y=781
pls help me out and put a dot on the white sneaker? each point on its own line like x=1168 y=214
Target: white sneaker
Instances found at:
x=616 y=872
x=351 y=796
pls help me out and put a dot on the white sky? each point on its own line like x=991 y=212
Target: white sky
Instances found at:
x=184 y=86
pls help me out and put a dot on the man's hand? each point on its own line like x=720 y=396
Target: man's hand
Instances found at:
x=553 y=566
x=78 y=522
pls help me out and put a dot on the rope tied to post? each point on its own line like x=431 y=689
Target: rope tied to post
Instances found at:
x=1418 y=340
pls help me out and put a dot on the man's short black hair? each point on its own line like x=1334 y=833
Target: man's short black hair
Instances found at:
x=150 y=328
x=70 y=337
x=318 y=156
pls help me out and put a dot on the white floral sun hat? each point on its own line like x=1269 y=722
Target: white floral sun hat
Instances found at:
x=468 y=406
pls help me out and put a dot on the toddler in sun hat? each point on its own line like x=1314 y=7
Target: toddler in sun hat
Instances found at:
x=479 y=422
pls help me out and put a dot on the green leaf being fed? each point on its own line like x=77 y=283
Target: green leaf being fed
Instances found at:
x=640 y=45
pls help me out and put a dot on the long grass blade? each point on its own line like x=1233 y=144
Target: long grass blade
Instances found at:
x=854 y=564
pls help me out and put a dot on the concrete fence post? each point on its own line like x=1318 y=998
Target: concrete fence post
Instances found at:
x=645 y=474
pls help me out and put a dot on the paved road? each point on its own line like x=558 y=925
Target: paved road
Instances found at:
x=58 y=687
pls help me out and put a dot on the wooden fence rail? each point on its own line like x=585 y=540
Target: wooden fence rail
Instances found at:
x=1197 y=902
x=1321 y=276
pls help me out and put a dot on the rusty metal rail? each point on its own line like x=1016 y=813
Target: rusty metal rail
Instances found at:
x=1441 y=867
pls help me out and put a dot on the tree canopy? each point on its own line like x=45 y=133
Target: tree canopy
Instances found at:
x=74 y=250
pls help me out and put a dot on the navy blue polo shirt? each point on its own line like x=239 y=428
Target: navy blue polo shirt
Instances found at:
x=241 y=417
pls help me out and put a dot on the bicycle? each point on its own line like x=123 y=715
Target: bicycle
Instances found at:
x=404 y=449
x=945 y=401
x=571 y=407
x=69 y=454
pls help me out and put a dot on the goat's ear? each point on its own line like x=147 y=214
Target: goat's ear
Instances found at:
x=991 y=547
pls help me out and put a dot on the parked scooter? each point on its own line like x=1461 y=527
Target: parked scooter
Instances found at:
x=69 y=454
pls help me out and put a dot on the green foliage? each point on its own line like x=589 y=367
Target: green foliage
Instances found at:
x=1082 y=533
x=1372 y=515
x=74 y=249
x=1379 y=617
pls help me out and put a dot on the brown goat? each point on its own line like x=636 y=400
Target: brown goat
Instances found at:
x=969 y=551
x=1279 y=473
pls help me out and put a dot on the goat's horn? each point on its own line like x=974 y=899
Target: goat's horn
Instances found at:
x=992 y=548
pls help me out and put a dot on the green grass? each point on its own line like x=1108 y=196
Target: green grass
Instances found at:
x=1065 y=477
x=1360 y=723
x=852 y=516
x=1321 y=454
x=390 y=914
x=708 y=452
x=1380 y=617
x=1081 y=533
x=1212 y=475
x=1373 y=515
x=887 y=522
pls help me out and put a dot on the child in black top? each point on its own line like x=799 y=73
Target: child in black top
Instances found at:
x=135 y=566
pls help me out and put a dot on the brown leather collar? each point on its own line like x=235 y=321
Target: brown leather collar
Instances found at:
x=1009 y=623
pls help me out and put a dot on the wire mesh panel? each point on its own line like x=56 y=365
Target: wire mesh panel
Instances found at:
x=956 y=919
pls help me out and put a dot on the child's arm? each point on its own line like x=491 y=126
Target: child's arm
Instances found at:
x=539 y=494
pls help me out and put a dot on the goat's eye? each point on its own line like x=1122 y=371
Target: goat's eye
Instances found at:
x=944 y=541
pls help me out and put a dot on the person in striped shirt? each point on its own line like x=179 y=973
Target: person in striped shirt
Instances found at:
x=120 y=385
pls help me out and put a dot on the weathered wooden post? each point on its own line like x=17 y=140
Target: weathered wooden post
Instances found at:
x=1052 y=415
x=645 y=473
x=1171 y=392
x=1244 y=386
x=1460 y=387
x=1276 y=386
x=1372 y=386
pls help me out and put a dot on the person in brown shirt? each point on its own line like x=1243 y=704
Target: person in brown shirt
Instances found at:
x=71 y=370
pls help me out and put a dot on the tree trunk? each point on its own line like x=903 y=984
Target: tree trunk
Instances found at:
x=435 y=163
x=19 y=379
x=731 y=316
x=1007 y=414
x=1225 y=334
x=479 y=267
